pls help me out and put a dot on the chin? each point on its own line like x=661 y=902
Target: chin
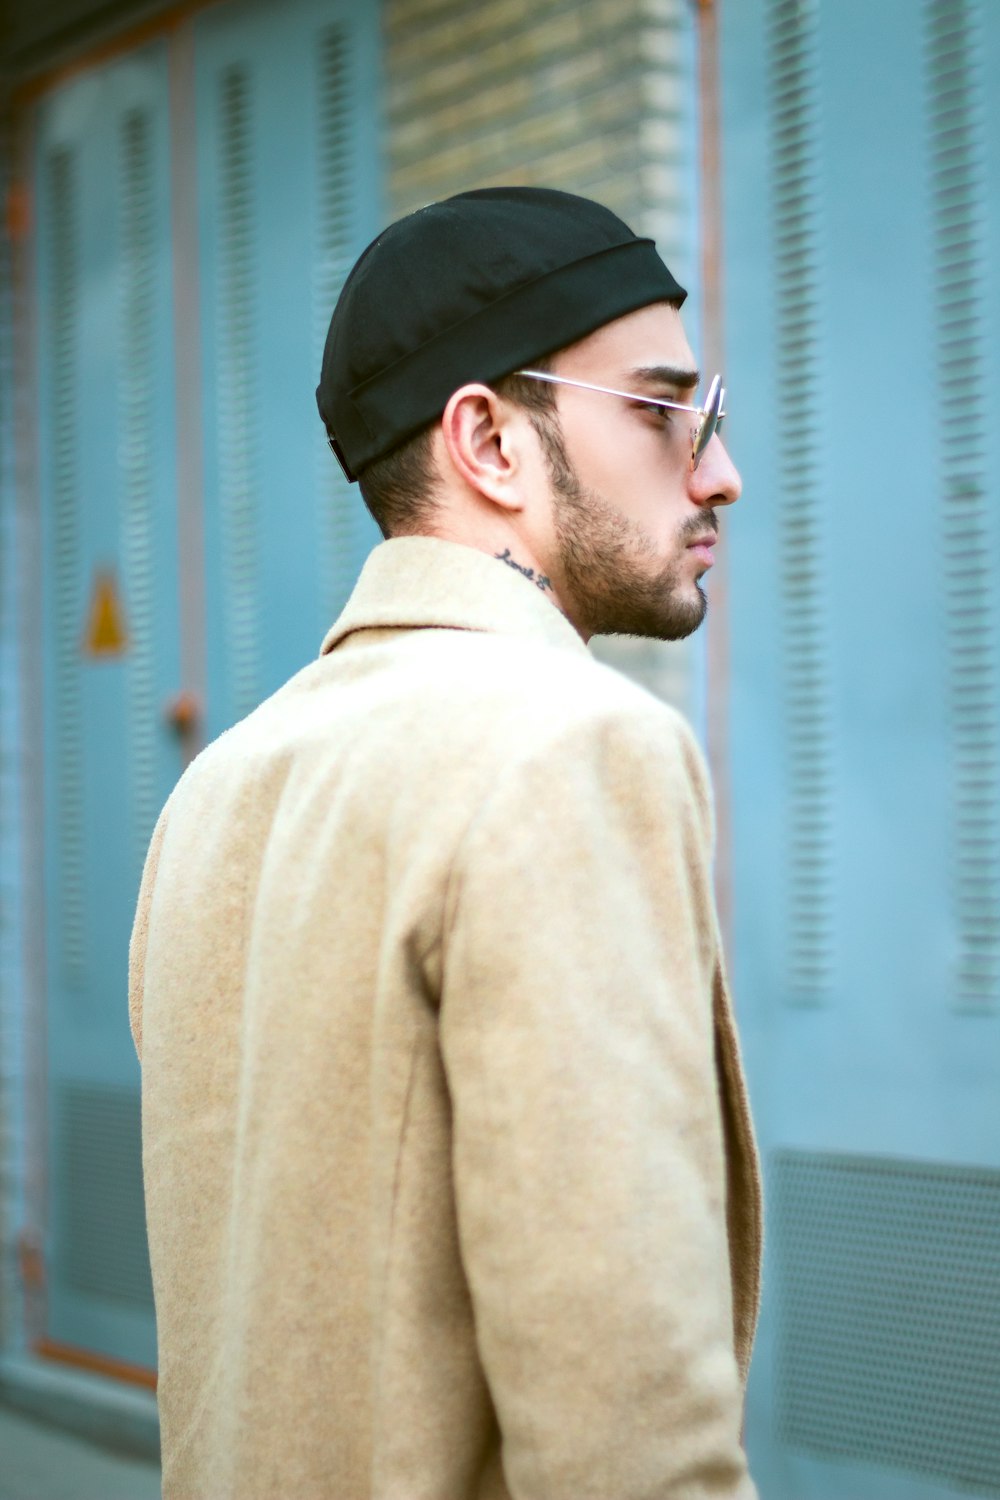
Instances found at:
x=652 y=621
x=684 y=617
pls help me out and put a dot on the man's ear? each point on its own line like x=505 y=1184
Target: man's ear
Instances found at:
x=479 y=434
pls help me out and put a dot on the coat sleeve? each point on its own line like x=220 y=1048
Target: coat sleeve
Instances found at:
x=590 y=1181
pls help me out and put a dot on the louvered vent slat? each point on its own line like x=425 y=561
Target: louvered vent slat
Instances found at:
x=136 y=463
x=332 y=261
x=794 y=156
x=102 y=1249
x=238 y=405
x=888 y=1324
x=956 y=148
x=63 y=332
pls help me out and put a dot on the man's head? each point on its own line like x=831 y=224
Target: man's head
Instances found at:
x=423 y=398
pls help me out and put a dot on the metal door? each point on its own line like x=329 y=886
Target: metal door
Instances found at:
x=862 y=175
x=287 y=200
x=110 y=577
x=263 y=193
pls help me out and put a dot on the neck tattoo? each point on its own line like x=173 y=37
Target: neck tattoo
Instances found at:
x=538 y=579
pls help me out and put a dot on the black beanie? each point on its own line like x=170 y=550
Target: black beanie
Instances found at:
x=472 y=289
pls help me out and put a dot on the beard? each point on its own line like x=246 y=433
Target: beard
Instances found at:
x=612 y=575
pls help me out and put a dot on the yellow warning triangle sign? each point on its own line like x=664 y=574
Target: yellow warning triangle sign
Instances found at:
x=105 y=634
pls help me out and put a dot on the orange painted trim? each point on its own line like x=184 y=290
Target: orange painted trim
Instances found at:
x=98 y=1364
x=161 y=25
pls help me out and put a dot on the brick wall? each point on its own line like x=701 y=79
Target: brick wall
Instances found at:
x=594 y=96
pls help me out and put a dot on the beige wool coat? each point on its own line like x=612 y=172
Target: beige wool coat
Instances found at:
x=450 y=1179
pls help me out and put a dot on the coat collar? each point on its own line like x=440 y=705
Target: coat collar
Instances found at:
x=415 y=582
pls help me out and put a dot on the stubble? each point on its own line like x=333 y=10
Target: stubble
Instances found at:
x=609 y=564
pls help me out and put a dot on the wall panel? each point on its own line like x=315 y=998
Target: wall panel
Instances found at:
x=865 y=665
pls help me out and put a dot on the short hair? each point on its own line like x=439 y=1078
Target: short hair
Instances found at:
x=399 y=488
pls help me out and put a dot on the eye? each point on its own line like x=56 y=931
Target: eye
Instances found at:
x=662 y=413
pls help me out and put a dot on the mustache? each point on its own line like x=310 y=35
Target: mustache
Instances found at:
x=698 y=525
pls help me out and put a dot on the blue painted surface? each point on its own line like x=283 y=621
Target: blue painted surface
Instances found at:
x=45 y=1462
x=303 y=201
x=887 y=1065
x=13 y=863
x=88 y=731
x=277 y=547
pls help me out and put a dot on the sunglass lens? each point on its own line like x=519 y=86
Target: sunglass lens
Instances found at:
x=710 y=419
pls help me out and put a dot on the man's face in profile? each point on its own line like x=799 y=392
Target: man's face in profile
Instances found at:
x=634 y=523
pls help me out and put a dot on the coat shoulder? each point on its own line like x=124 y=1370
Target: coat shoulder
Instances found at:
x=537 y=688
x=415 y=710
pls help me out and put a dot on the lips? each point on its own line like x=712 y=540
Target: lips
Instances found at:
x=702 y=549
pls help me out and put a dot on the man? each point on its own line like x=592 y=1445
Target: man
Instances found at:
x=451 y=1186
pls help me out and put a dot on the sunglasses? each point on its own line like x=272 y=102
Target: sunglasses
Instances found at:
x=710 y=414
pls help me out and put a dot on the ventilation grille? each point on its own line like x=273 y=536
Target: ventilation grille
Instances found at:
x=958 y=187
x=339 y=515
x=794 y=132
x=888 y=1314
x=63 y=294
x=102 y=1248
x=136 y=307
x=237 y=392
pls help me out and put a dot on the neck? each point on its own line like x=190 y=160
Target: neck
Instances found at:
x=507 y=546
x=539 y=579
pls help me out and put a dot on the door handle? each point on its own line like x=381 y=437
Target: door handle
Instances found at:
x=183 y=714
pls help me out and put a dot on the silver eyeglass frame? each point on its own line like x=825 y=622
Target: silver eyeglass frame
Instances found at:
x=710 y=412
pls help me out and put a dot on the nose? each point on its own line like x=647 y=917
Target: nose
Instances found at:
x=716 y=481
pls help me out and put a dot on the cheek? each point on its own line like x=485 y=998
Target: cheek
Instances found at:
x=617 y=461
x=649 y=489
x=637 y=470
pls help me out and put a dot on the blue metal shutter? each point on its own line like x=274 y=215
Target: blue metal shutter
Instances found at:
x=105 y=405
x=798 y=231
x=287 y=200
x=957 y=125
x=862 y=177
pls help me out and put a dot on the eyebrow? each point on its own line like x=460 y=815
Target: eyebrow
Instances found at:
x=661 y=375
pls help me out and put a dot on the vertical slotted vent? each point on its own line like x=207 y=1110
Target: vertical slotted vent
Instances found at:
x=888 y=1326
x=102 y=1248
x=794 y=132
x=955 y=112
x=63 y=299
x=332 y=261
x=136 y=460
x=237 y=391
